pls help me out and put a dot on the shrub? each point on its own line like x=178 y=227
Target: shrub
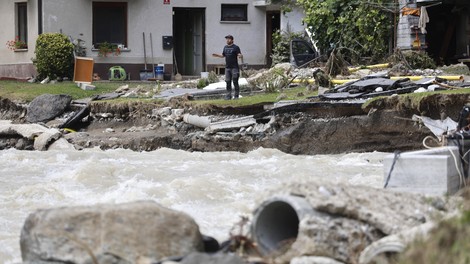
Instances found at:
x=203 y=82
x=54 y=56
x=213 y=78
x=361 y=28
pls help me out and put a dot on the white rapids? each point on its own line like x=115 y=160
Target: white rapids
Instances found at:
x=214 y=188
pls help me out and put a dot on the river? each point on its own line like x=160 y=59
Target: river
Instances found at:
x=214 y=188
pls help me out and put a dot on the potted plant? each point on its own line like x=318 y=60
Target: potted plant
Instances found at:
x=16 y=44
x=105 y=49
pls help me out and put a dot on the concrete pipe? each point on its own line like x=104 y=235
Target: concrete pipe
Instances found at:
x=276 y=221
x=199 y=121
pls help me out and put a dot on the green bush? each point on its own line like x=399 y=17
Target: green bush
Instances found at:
x=360 y=28
x=203 y=82
x=54 y=56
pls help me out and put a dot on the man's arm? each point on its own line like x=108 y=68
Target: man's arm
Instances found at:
x=239 y=55
x=217 y=55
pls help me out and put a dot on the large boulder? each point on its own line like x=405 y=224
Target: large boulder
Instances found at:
x=117 y=233
x=47 y=106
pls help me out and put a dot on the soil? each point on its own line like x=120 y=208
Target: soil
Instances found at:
x=384 y=125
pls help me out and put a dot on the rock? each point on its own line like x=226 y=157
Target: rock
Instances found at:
x=121 y=232
x=46 y=107
x=10 y=110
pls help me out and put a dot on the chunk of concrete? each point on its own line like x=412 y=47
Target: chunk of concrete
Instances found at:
x=436 y=171
x=231 y=124
x=43 y=141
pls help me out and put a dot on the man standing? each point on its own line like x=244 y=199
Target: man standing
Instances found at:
x=231 y=53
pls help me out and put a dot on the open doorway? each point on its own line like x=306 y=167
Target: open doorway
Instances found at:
x=189 y=41
x=273 y=24
x=448 y=31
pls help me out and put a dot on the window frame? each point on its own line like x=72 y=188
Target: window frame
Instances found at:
x=241 y=8
x=99 y=7
x=21 y=25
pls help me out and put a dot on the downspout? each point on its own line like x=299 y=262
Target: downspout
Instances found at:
x=39 y=17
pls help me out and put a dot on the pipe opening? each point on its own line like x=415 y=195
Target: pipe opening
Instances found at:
x=275 y=226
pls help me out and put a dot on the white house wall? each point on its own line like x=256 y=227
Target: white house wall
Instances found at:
x=292 y=21
x=150 y=16
x=16 y=63
x=74 y=18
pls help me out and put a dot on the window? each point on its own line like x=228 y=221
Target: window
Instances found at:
x=22 y=22
x=234 y=13
x=109 y=23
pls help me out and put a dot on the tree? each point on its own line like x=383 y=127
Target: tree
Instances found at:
x=360 y=28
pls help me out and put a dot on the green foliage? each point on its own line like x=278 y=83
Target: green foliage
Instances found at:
x=54 y=56
x=16 y=44
x=361 y=28
x=419 y=60
x=105 y=49
x=203 y=82
x=213 y=77
x=281 y=45
x=448 y=243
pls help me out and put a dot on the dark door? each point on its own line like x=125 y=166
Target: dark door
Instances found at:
x=273 y=24
x=189 y=42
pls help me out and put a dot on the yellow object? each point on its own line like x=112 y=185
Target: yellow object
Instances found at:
x=69 y=130
x=303 y=80
x=374 y=66
x=412 y=78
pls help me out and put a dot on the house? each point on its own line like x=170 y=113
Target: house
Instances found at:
x=446 y=35
x=180 y=34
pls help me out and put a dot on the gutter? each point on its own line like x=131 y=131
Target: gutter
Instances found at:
x=39 y=17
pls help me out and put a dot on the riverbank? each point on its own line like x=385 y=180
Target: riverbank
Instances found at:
x=306 y=127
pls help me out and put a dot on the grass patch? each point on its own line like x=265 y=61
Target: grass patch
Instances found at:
x=24 y=91
x=409 y=100
x=297 y=93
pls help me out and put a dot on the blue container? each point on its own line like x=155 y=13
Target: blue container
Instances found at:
x=159 y=72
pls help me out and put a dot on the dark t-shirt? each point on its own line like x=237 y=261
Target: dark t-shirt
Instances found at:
x=230 y=53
